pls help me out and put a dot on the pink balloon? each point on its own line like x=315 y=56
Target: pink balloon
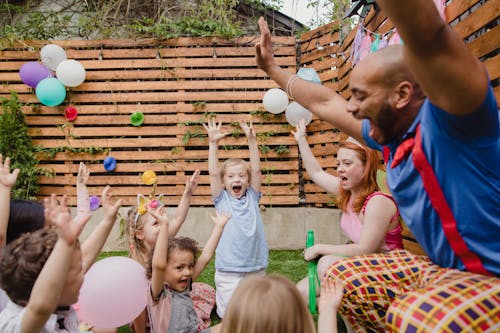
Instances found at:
x=114 y=292
x=33 y=72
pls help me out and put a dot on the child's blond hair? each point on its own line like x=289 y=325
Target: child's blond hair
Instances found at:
x=270 y=304
x=137 y=247
x=235 y=161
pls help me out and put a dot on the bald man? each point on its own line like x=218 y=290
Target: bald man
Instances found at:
x=429 y=107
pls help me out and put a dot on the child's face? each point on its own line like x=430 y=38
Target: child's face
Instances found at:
x=350 y=169
x=179 y=269
x=236 y=180
x=150 y=230
x=74 y=280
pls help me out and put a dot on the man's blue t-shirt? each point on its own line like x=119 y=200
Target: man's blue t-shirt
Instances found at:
x=464 y=152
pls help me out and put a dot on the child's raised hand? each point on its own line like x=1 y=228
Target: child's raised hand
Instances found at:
x=213 y=130
x=52 y=209
x=220 y=218
x=300 y=132
x=7 y=178
x=110 y=208
x=248 y=129
x=83 y=174
x=160 y=215
x=332 y=292
x=67 y=229
x=192 y=182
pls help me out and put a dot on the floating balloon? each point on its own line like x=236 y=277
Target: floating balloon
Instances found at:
x=295 y=112
x=114 y=292
x=94 y=202
x=109 y=163
x=71 y=73
x=33 y=72
x=70 y=113
x=309 y=74
x=52 y=55
x=275 y=100
x=149 y=177
x=50 y=92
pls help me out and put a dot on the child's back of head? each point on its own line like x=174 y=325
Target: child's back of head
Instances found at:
x=22 y=261
x=270 y=304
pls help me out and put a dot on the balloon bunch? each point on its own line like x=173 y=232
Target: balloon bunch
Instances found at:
x=276 y=100
x=50 y=90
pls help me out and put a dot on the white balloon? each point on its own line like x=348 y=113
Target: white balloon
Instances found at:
x=71 y=73
x=295 y=112
x=52 y=55
x=275 y=100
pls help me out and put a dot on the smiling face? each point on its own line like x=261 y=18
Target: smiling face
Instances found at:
x=179 y=270
x=236 y=179
x=350 y=169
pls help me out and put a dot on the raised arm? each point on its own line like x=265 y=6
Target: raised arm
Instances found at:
x=7 y=180
x=220 y=219
x=82 y=193
x=214 y=135
x=327 y=181
x=376 y=223
x=50 y=283
x=451 y=77
x=255 y=179
x=159 y=263
x=183 y=207
x=95 y=241
x=320 y=100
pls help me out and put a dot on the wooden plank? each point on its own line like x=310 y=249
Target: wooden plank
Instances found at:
x=479 y=18
x=486 y=43
x=456 y=8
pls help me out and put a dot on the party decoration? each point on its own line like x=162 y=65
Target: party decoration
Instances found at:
x=309 y=74
x=109 y=163
x=33 y=72
x=137 y=118
x=114 y=292
x=52 y=55
x=149 y=177
x=71 y=73
x=275 y=100
x=294 y=112
x=70 y=113
x=94 y=202
x=50 y=91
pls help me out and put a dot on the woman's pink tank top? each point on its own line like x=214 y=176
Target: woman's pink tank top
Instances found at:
x=351 y=226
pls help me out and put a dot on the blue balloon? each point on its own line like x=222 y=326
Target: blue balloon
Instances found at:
x=50 y=92
x=309 y=74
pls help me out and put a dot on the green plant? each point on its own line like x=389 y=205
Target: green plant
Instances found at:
x=261 y=113
x=264 y=149
x=16 y=144
x=282 y=150
x=196 y=133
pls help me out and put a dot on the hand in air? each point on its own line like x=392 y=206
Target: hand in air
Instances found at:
x=300 y=130
x=248 y=129
x=67 y=229
x=214 y=130
x=83 y=174
x=192 y=182
x=264 y=48
x=110 y=208
x=220 y=218
x=7 y=178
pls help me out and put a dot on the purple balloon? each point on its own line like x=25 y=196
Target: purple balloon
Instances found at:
x=33 y=72
x=94 y=202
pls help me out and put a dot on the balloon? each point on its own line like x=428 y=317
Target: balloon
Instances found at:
x=52 y=55
x=275 y=100
x=94 y=202
x=109 y=163
x=114 y=292
x=309 y=74
x=70 y=113
x=33 y=72
x=295 y=112
x=50 y=92
x=71 y=73
x=149 y=177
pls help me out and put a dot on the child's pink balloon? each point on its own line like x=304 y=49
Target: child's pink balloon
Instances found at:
x=114 y=292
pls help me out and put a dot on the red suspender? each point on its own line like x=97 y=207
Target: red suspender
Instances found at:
x=438 y=201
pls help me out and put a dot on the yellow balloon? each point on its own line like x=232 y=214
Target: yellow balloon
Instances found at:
x=149 y=177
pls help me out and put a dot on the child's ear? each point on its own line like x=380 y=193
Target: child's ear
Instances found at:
x=139 y=234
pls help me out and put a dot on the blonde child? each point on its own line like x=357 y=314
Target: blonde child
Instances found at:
x=173 y=268
x=42 y=273
x=273 y=304
x=235 y=188
x=270 y=304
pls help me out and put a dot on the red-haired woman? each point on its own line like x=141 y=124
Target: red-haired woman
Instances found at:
x=370 y=218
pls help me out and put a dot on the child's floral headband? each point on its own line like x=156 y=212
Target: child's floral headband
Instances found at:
x=152 y=201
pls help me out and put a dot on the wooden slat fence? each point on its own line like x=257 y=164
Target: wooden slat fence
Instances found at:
x=178 y=83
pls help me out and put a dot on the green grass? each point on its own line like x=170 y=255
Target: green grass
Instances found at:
x=289 y=263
